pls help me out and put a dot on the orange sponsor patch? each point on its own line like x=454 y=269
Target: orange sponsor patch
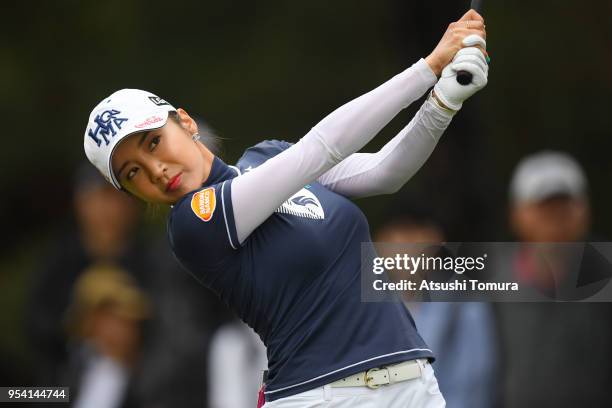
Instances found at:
x=203 y=203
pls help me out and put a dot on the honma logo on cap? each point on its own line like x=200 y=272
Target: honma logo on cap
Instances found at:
x=105 y=126
x=203 y=204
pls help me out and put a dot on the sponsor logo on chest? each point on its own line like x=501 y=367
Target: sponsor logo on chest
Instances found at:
x=203 y=204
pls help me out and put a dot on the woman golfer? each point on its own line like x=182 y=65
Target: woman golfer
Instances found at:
x=276 y=236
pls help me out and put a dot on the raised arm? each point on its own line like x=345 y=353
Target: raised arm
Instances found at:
x=340 y=134
x=343 y=132
x=384 y=172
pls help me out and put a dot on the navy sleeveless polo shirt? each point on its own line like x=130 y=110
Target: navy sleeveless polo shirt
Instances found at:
x=295 y=280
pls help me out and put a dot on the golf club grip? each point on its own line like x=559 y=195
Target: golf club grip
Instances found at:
x=464 y=77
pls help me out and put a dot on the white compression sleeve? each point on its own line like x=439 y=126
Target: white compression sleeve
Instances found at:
x=384 y=172
x=256 y=194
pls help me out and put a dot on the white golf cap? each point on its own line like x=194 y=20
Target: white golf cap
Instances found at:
x=546 y=174
x=123 y=113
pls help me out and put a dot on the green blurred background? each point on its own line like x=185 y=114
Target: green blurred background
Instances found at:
x=272 y=69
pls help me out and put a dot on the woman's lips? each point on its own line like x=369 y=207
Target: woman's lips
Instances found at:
x=174 y=183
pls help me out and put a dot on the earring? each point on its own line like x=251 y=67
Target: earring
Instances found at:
x=196 y=137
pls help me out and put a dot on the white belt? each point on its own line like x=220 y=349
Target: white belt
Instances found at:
x=375 y=377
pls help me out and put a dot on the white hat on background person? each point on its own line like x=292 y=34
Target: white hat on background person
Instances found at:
x=123 y=113
x=547 y=174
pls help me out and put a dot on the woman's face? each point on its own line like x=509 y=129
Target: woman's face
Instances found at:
x=162 y=165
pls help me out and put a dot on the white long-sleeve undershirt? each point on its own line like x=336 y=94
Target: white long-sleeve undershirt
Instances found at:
x=338 y=136
x=386 y=171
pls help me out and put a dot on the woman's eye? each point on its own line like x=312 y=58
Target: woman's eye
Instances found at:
x=132 y=173
x=154 y=142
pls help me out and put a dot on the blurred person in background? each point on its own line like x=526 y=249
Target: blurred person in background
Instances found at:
x=107 y=230
x=554 y=354
x=236 y=364
x=549 y=201
x=549 y=204
x=461 y=334
x=103 y=232
x=105 y=322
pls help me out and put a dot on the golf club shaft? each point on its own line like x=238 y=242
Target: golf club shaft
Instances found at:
x=465 y=77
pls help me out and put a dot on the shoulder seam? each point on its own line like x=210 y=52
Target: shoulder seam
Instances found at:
x=229 y=235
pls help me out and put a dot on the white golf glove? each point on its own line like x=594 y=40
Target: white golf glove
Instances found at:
x=450 y=92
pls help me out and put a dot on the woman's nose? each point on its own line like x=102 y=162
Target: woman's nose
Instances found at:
x=158 y=171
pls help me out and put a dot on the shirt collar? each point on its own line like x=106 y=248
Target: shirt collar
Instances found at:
x=219 y=171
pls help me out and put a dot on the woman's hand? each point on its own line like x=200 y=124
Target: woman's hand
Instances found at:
x=448 y=92
x=451 y=42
